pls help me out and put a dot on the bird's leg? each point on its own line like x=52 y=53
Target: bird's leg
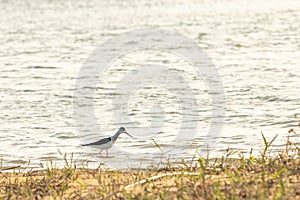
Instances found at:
x=106 y=152
x=101 y=151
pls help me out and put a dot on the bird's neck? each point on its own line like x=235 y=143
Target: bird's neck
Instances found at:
x=115 y=136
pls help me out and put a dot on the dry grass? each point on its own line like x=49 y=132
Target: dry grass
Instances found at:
x=264 y=177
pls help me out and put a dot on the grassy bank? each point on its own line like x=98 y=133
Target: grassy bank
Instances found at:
x=262 y=177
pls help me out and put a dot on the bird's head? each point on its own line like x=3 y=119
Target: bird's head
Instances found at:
x=122 y=130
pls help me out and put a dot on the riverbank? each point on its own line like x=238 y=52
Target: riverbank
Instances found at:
x=267 y=176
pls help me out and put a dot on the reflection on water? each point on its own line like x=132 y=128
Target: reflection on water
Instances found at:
x=255 y=47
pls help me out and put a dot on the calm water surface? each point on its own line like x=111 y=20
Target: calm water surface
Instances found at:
x=43 y=44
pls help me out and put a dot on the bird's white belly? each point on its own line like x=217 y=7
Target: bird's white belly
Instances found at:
x=106 y=145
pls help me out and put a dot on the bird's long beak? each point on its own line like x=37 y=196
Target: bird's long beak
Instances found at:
x=128 y=134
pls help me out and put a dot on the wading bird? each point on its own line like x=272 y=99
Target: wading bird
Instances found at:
x=107 y=143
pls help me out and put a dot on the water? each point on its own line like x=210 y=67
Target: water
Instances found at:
x=255 y=46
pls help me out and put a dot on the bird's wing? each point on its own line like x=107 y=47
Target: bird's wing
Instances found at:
x=99 y=142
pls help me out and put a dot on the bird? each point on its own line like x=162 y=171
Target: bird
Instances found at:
x=107 y=143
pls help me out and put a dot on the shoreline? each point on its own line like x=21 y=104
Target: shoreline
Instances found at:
x=263 y=177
